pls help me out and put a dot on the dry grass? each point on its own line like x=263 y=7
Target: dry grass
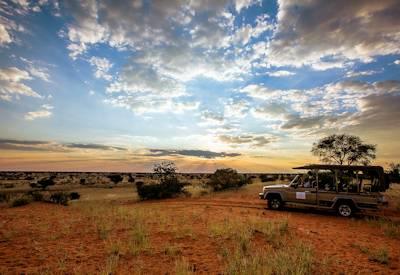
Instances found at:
x=182 y=267
x=380 y=255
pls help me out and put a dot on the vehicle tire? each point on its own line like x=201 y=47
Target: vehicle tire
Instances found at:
x=274 y=203
x=345 y=209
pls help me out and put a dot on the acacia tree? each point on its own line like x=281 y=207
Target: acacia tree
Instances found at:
x=168 y=185
x=165 y=172
x=344 y=149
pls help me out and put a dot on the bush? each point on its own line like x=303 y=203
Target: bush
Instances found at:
x=227 y=178
x=4 y=197
x=267 y=178
x=115 y=178
x=163 y=190
x=169 y=186
x=36 y=196
x=33 y=185
x=82 y=181
x=74 y=196
x=20 y=202
x=44 y=183
x=60 y=198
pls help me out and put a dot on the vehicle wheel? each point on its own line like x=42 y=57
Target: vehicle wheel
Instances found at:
x=274 y=203
x=345 y=210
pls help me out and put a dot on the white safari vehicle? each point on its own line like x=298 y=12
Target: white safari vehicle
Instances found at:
x=343 y=188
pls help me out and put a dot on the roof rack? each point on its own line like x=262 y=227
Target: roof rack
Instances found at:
x=340 y=167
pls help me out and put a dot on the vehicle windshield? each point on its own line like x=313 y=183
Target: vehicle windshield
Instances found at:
x=295 y=181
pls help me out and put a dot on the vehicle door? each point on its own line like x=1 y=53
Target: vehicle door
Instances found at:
x=303 y=193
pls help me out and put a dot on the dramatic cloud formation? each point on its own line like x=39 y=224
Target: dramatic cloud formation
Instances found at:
x=248 y=77
x=356 y=30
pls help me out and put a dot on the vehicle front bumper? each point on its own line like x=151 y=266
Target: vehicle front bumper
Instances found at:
x=261 y=195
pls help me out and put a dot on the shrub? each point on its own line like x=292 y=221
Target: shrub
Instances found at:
x=227 y=178
x=9 y=185
x=60 y=198
x=33 y=185
x=20 y=202
x=115 y=178
x=36 y=196
x=74 y=196
x=160 y=190
x=4 y=197
x=267 y=178
x=82 y=181
x=168 y=186
x=131 y=179
x=44 y=183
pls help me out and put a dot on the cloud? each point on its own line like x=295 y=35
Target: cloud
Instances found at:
x=190 y=153
x=44 y=112
x=280 y=73
x=93 y=146
x=11 y=84
x=117 y=23
x=28 y=145
x=36 y=70
x=5 y=37
x=259 y=91
x=312 y=31
x=380 y=111
x=244 y=34
x=101 y=66
x=236 y=108
x=333 y=106
x=38 y=145
x=211 y=118
x=143 y=90
x=248 y=140
x=362 y=73
x=244 y=4
x=271 y=111
x=152 y=104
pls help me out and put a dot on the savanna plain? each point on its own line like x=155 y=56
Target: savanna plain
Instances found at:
x=109 y=230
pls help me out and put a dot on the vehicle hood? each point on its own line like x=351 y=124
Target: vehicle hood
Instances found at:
x=268 y=187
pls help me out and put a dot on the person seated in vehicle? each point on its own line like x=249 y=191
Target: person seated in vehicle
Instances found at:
x=310 y=180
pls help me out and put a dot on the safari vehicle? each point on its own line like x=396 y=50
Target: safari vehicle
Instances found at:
x=346 y=189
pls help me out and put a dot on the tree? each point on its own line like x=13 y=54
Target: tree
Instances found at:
x=165 y=172
x=168 y=185
x=394 y=172
x=344 y=149
x=227 y=178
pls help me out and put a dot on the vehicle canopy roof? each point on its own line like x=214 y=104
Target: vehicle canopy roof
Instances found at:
x=363 y=168
x=383 y=183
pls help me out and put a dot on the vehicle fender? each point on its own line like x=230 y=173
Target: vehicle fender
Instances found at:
x=274 y=193
x=338 y=199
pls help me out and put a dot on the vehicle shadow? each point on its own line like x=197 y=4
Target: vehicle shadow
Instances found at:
x=329 y=213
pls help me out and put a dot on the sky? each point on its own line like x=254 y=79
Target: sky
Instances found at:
x=90 y=85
